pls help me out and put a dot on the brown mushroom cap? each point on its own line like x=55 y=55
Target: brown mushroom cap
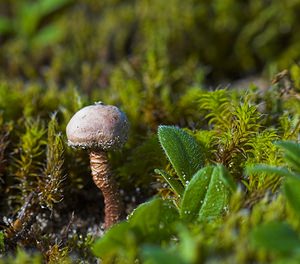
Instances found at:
x=98 y=126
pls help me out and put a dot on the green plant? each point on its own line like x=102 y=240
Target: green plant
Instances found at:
x=204 y=194
x=207 y=195
x=29 y=19
x=2 y=246
x=21 y=258
x=280 y=237
x=182 y=150
x=151 y=222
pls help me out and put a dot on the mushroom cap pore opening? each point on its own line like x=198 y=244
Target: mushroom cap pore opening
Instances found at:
x=98 y=126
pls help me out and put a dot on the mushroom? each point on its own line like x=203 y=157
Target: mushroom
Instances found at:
x=100 y=128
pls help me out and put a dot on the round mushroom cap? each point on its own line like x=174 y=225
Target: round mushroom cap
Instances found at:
x=98 y=126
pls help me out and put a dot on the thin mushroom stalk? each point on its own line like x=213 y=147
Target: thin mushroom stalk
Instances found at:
x=103 y=178
x=101 y=128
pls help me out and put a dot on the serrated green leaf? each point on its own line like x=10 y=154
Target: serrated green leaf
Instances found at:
x=175 y=185
x=182 y=150
x=277 y=237
x=207 y=194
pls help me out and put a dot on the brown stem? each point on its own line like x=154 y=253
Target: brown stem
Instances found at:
x=102 y=176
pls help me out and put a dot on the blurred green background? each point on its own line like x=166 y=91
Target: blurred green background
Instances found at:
x=83 y=41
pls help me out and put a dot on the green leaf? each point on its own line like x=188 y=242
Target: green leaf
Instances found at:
x=156 y=255
x=153 y=220
x=290 y=147
x=182 y=150
x=49 y=6
x=277 y=237
x=194 y=194
x=207 y=194
x=47 y=36
x=187 y=248
x=217 y=195
x=34 y=16
x=291 y=153
x=175 y=185
x=262 y=168
x=112 y=241
x=226 y=178
x=291 y=188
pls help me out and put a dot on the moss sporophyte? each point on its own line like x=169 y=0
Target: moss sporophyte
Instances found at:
x=101 y=128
